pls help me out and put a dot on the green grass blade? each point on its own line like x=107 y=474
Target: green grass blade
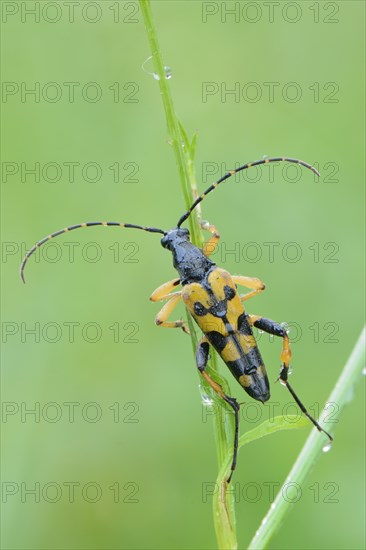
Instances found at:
x=341 y=395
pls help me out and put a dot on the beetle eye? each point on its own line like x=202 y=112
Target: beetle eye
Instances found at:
x=165 y=241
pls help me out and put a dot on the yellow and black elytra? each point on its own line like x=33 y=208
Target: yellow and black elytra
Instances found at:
x=210 y=295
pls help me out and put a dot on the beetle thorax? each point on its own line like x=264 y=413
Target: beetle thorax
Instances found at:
x=190 y=262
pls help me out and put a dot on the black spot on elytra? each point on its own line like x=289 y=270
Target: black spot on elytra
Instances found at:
x=217 y=340
x=199 y=309
x=253 y=361
x=229 y=292
x=244 y=325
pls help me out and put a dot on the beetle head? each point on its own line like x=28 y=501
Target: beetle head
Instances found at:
x=174 y=237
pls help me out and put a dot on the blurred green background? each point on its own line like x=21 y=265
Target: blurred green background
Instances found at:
x=120 y=447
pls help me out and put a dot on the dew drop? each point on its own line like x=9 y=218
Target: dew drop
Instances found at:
x=364 y=371
x=206 y=399
x=327 y=448
x=167 y=70
x=168 y=73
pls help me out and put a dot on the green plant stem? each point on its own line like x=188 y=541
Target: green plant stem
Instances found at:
x=175 y=138
x=184 y=156
x=222 y=502
x=341 y=395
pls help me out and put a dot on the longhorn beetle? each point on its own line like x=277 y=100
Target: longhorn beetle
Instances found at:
x=210 y=295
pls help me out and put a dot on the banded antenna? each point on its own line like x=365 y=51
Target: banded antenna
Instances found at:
x=77 y=226
x=233 y=172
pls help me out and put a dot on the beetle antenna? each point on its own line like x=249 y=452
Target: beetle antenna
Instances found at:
x=77 y=226
x=244 y=167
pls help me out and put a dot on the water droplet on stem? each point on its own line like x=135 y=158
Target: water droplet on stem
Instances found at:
x=327 y=447
x=167 y=70
x=206 y=399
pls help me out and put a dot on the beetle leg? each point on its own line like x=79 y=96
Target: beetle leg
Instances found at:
x=166 y=310
x=202 y=355
x=278 y=330
x=249 y=282
x=213 y=241
x=163 y=291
